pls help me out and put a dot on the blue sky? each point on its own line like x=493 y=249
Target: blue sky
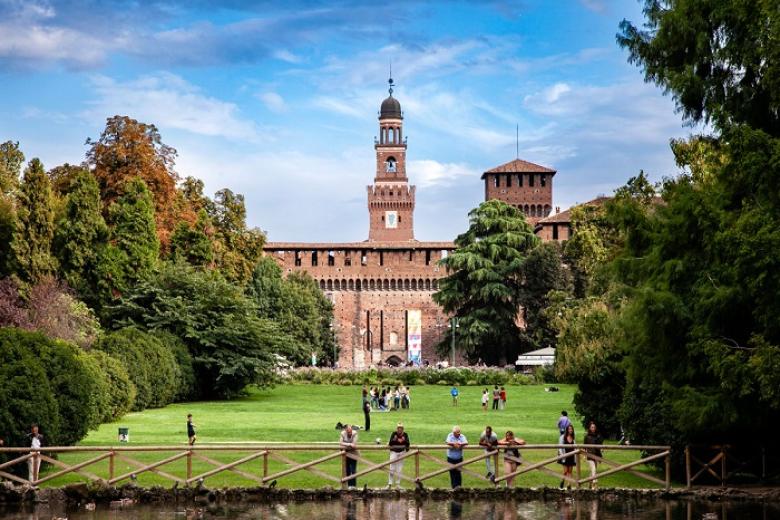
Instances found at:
x=278 y=100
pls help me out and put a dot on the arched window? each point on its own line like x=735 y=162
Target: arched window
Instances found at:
x=390 y=165
x=390 y=135
x=427 y=285
x=357 y=285
x=386 y=284
x=414 y=285
x=392 y=284
x=351 y=285
x=330 y=285
x=322 y=284
x=547 y=209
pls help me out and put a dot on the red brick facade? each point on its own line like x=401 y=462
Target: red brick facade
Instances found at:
x=524 y=185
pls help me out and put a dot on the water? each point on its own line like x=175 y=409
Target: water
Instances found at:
x=408 y=509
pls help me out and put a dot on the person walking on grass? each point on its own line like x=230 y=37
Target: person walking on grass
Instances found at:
x=399 y=443
x=489 y=441
x=348 y=442
x=563 y=422
x=567 y=439
x=454 y=393
x=191 y=437
x=496 y=397
x=593 y=437
x=456 y=442
x=485 y=398
x=502 y=398
x=366 y=411
x=511 y=455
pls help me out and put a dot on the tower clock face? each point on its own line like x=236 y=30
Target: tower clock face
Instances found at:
x=391 y=219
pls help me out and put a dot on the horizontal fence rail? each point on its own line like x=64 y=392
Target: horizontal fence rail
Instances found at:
x=251 y=461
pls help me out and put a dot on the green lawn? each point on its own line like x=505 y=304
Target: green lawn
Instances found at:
x=308 y=413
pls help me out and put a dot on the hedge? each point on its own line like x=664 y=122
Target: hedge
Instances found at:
x=152 y=367
x=120 y=390
x=408 y=376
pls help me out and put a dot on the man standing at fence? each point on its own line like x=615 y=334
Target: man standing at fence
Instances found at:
x=35 y=440
x=456 y=442
x=399 y=443
x=348 y=443
x=489 y=441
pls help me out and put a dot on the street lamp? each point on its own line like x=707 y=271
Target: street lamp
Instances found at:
x=454 y=326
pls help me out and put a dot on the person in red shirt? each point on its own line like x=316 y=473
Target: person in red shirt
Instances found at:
x=502 y=399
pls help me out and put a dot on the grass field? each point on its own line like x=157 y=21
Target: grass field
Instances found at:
x=308 y=413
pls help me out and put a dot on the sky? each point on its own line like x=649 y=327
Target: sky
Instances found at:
x=279 y=100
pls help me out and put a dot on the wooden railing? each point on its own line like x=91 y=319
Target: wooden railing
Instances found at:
x=721 y=462
x=184 y=473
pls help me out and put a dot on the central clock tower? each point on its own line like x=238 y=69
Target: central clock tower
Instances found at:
x=390 y=198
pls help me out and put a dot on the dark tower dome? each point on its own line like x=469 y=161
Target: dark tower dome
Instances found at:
x=391 y=107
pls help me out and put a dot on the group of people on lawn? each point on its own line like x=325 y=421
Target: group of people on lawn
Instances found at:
x=456 y=441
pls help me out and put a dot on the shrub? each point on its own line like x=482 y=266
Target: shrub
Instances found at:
x=151 y=366
x=26 y=394
x=120 y=389
x=481 y=376
x=186 y=384
x=101 y=398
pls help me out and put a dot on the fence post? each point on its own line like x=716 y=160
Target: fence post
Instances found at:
x=111 y=466
x=723 y=466
x=189 y=464
x=495 y=466
x=688 y=466
x=265 y=464
x=579 y=468
x=417 y=465
x=343 y=469
x=668 y=465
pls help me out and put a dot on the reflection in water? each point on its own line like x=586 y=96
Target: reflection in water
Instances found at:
x=356 y=508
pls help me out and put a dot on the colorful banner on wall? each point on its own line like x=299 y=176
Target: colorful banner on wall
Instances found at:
x=414 y=335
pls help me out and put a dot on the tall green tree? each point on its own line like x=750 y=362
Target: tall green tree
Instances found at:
x=191 y=244
x=81 y=235
x=237 y=248
x=34 y=232
x=133 y=231
x=11 y=160
x=484 y=281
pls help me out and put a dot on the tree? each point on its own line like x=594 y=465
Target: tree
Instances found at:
x=231 y=347
x=7 y=227
x=542 y=272
x=191 y=244
x=719 y=60
x=236 y=248
x=484 y=279
x=81 y=235
x=128 y=149
x=11 y=160
x=34 y=232
x=133 y=233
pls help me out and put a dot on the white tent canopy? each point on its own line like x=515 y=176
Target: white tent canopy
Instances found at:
x=535 y=358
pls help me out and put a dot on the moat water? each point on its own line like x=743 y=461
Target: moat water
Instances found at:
x=409 y=509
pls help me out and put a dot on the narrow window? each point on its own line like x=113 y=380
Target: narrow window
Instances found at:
x=428 y=257
x=314 y=258
x=331 y=258
x=508 y=180
x=297 y=259
x=381 y=258
x=363 y=258
x=555 y=231
x=347 y=260
x=496 y=181
x=543 y=180
x=411 y=253
x=520 y=179
x=531 y=180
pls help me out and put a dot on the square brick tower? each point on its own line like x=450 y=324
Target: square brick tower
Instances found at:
x=524 y=185
x=390 y=198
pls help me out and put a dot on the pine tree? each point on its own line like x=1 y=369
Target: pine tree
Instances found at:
x=80 y=235
x=32 y=238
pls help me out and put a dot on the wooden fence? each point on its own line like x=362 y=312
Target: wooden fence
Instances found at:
x=252 y=462
x=722 y=462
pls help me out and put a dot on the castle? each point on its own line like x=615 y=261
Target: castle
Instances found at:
x=381 y=288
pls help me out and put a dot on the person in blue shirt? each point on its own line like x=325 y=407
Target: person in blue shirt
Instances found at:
x=454 y=394
x=456 y=441
x=563 y=422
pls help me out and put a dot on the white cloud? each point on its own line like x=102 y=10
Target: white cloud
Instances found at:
x=169 y=101
x=31 y=42
x=428 y=172
x=273 y=101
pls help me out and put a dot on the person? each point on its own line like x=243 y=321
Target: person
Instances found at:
x=456 y=442
x=397 y=398
x=502 y=398
x=366 y=411
x=563 y=422
x=496 y=397
x=399 y=443
x=348 y=442
x=511 y=455
x=569 y=462
x=383 y=401
x=489 y=441
x=485 y=398
x=35 y=441
x=407 y=397
x=191 y=437
x=374 y=393
x=593 y=437
x=454 y=394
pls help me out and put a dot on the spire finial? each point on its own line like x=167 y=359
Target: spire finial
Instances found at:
x=390 y=81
